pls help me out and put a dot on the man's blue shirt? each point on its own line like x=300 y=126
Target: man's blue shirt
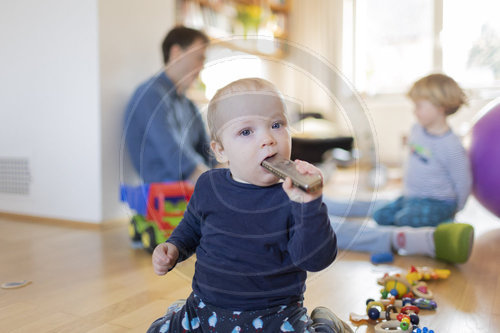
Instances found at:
x=164 y=132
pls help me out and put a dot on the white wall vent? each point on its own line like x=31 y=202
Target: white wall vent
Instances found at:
x=15 y=176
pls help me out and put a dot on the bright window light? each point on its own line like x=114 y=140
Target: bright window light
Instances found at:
x=471 y=41
x=224 y=65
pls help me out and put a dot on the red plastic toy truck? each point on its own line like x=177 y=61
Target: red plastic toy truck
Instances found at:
x=158 y=207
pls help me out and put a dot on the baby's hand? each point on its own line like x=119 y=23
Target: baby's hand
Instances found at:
x=164 y=257
x=296 y=194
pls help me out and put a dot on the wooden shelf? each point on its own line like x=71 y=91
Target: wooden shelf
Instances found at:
x=277 y=53
x=222 y=19
x=280 y=8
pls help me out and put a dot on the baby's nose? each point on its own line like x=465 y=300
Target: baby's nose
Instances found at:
x=267 y=140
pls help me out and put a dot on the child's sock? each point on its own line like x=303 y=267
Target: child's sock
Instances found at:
x=411 y=241
x=450 y=242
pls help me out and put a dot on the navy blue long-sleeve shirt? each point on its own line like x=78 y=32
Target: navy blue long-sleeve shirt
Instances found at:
x=253 y=244
x=164 y=132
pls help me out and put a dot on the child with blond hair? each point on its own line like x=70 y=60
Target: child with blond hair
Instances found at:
x=254 y=236
x=438 y=176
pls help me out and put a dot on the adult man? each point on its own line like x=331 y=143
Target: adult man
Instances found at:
x=164 y=131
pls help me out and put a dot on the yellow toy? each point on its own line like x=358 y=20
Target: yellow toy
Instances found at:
x=426 y=273
x=412 y=284
x=396 y=285
x=400 y=287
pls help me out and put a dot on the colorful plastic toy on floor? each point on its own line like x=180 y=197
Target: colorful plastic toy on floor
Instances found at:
x=375 y=313
x=421 y=303
x=387 y=317
x=381 y=258
x=400 y=287
x=412 y=284
x=159 y=207
x=398 y=308
x=394 y=325
x=427 y=273
x=422 y=330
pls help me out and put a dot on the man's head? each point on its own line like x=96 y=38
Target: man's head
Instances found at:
x=184 y=55
x=247 y=122
x=182 y=37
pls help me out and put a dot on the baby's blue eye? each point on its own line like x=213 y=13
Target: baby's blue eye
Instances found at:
x=245 y=132
x=276 y=125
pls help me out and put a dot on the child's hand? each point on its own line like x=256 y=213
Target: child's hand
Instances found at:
x=296 y=194
x=165 y=256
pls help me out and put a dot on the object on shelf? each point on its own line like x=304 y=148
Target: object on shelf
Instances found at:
x=234 y=21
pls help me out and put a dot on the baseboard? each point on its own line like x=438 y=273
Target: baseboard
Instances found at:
x=63 y=222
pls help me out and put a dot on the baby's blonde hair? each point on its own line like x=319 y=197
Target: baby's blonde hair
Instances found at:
x=441 y=90
x=238 y=87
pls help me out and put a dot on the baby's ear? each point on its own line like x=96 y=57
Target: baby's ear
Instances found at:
x=218 y=150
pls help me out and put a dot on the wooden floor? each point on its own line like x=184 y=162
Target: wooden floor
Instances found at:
x=94 y=281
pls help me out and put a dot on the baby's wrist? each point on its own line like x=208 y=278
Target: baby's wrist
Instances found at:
x=309 y=200
x=311 y=197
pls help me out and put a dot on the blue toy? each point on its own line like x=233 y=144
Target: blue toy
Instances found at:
x=381 y=258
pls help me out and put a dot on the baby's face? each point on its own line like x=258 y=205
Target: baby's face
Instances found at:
x=252 y=127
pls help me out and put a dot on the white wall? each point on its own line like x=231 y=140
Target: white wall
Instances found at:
x=130 y=37
x=312 y=28
x=68 y=68
x=49 y=105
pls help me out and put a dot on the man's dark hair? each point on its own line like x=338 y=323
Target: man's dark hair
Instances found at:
x=183 y=37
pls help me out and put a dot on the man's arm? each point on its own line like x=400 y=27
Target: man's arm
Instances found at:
x=157 y=154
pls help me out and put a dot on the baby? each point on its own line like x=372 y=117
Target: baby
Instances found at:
x=254 y=236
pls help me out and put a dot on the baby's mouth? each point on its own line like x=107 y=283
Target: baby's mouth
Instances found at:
x=268 y=158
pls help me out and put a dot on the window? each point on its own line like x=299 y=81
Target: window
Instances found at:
x=224 y=65
x=471 y=41
x=396 y=42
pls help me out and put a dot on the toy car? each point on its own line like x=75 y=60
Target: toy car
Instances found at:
x=158 y=207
